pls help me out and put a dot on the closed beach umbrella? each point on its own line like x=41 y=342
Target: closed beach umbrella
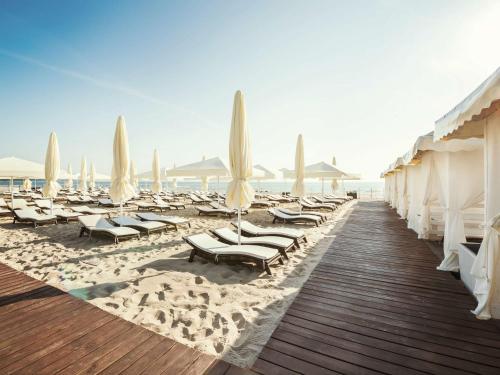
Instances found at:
x=92 y=176
x=204 y=179
x=174 y=182
x=298 y=188
x=52 y=167
x=240 y=193
x=83 y=176
x=69 y=180
x=121 y=190
x=133 y=172
x=335 y=183
x=27 y=184
x=156 y=186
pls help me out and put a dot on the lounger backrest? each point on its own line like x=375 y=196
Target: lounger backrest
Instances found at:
x=3 y=203
x=249 y=227
x=126 y=220
x=90 y=221
x=205 y=242
x=43 y=203
x=27 y=213
x=227 y=234
x=147 y=215
x=19 y=203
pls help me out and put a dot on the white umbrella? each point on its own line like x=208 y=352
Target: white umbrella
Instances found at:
x=69 y=180
x=174 y=182
x=133 y=175
x=298 y=188
x=121 y=190
x=335 y=183
x=52 y=167
x=156 y=185
x=27 y=184
x=83 y=176
x=240 y=193
x=92 y=176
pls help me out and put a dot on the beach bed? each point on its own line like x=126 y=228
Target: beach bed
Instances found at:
x=299 y=218
x=253 y=230
x=307 y=204
x=63 y=214
x=142 y=226
x=287 y=211
x=30 y=215
x=174 y=221
x=97 y=224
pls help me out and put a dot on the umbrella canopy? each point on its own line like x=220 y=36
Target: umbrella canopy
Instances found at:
x=52 y=167
x=69 y=179
x=26 y=184
x=82 y=185
x=213 y=167
x=133 y=175
x=174 y=182
x=262 y=173
x=121 y=190
x=298 y=188
x=92 y=176
x=317 y=170
x=156 y=186
x=240 y=193
x=12 y=167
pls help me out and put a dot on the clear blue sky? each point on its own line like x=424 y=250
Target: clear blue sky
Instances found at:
x=360 y=79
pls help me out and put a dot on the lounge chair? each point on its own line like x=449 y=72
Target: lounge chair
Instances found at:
x=4 y=210
x=283 y=244
x=90 y=211
x=334 y=196
x=287 y=211
x=328 y=200
x=176 y=205
x=195 y=199
x=147 y=206
x=63 y=214
x=98 y=224
x=45 y=203
x=18 y=204
x=279 y=198
x=263 y=203
x=307 y=204
x=106 y=202
x=211 y=211
x=253 y=230
x=174 y=221
x=209 y=248
x=142 y=226
x=160 y=204
x=300 y=218
x=30 y=215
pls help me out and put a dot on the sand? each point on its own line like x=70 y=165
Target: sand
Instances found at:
x=225 y=310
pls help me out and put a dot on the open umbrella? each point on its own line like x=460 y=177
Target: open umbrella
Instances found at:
x=92 y=176
x=83 y=176
x=298 y=188
x=240 y=193
x=121 y=190
x=156 y=186
x=69 y=179
x=52 y=167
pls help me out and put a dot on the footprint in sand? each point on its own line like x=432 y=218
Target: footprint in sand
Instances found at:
x=239 y=320
x=198 y=280
x=113 y=305
x=203 y=314
x=165 y=286
x=219 y=347
x=160 y=315
x=144 y=299
x=117 y=271
x=208 y=332
x=161 y=296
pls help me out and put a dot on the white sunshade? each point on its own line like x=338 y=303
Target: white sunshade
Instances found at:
x=475 y=105
x=298 y=188
x=12 y=167
x=156 y=187
x=133 y=175
x=317 y=170
x=121 y=190
x=98 y=176
x=213 y=167
x=82 y=178
x=262 y=173
x=92 y=176
x=69 y=178
x=52 y=167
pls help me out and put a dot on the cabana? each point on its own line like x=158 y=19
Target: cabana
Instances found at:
x=478 y=115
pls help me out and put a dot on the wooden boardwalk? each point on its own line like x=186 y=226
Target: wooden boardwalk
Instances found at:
x=376 y=304
x=46 y=331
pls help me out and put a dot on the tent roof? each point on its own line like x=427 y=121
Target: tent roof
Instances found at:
x=317 y=170
x=483 y=101
x=98 y=176
x=212 y=167
x=12 y=167
x=262 y=173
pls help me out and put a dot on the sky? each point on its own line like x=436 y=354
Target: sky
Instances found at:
x=361 y=80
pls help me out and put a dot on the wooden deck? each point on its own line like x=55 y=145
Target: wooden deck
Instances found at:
x=46 y=331
x=376 y=304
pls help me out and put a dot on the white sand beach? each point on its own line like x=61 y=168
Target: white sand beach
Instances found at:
x=225 y=310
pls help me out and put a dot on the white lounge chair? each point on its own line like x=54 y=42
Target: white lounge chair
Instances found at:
x=90 y=211
x=98 y=224
x=300 y=218
x=63 y=214
x=283 y=244
x=287 y=211
x=307 y=204
x=45 y=203
x=253 y=230
x=142 y=226
x=209 y=248
x=174 y=221
x=106 y=202
x=30 y=215
x=18 y=204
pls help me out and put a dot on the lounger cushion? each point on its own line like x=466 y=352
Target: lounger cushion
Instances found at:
x=259 y=231
x=162 y=218
x=231 y=236
x=130 y=221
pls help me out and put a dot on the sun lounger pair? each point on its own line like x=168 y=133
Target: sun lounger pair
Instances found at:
x=307 y=204
x=142 y=226
x=90 y=211
x=299 y=218
x=30 y=215
x=174 y=221
x=209 y=248
x=80 y=199
x=279 y=198
x=62 y=214
x=282 y=244
x=97 y=224
x=253 y=230
x=196 y=199
x=287 y=211
x=328 y=200
x=18 y=204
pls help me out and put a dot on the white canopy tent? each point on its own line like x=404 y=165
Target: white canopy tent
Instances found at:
x=478 y=115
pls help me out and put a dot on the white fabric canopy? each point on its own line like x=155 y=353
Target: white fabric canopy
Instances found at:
x=262 y=173
x=133 y=175
x=121 y=190
x=92 y=176
x=69 y=179
x=213 y=167
x=52 y=167
x=156 y=186
x=82 y=178
x=12 y=167
x=317 y=170
x=298 y=188
x=402 y=196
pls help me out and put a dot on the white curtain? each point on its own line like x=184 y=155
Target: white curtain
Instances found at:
x=464 y=189
x=387 y=188
x=415 y=195
x=402 y=193
x=486 y=266
x=394 y=190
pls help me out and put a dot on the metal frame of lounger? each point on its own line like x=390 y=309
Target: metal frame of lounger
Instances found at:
x=264 y=264
x=294 y=220
x=33 y=221
x=276 y=233
x=282 y=249
x=164 y=220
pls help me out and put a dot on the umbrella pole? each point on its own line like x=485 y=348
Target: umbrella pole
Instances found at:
x=12 y=192
x=218 y=189
x=121 y=207
x=51 y=205
x=322 y=187
x=239 y=226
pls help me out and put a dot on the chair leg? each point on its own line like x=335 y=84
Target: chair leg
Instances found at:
x=191 y=257
x=266 y=267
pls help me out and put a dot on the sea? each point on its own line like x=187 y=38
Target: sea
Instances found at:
x=364 y=188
